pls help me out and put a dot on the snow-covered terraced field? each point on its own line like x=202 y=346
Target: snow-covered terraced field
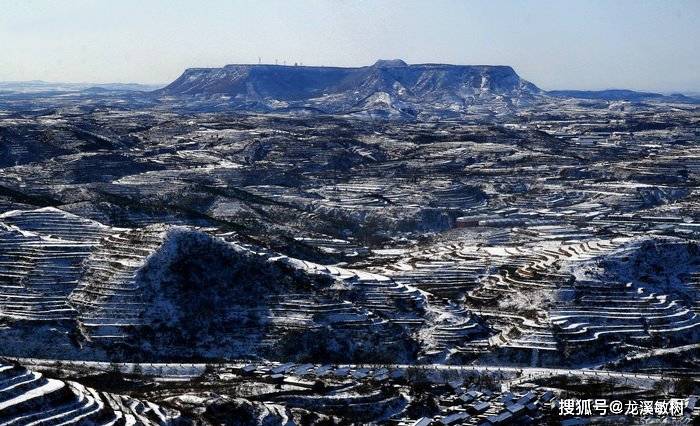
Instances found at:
x=536 y=245
x=28 y=398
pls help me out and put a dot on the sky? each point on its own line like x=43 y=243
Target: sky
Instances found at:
x=559 y=44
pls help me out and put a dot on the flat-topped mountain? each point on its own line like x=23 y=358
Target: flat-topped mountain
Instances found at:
x=389 y=87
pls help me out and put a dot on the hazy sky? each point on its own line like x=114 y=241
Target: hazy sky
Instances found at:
x=649 y=45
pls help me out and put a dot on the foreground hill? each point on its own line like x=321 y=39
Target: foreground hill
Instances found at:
x=387 y=88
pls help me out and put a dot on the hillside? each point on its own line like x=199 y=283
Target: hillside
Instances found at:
x=173 y=292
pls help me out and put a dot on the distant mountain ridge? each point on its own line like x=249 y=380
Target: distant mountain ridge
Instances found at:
x=35 y=86
x=621 y=95
x=388 y=87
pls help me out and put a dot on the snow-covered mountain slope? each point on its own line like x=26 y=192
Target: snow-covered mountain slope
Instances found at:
x=387 y=87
